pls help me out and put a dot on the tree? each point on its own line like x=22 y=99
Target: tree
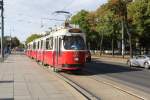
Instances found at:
x=108 y=25
x=117 y=20
x=15 y=42
x=83 y=19
x=32 y=37
x=11 y=42
x=139 y=13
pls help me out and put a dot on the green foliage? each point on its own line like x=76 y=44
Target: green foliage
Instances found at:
x=13 y=42
x=107 y=20
x=80 y=19
x=33 y=37
x=139 y=13
x=86 y=22
x=21 y=45
x=104 y=20
x=97 y=23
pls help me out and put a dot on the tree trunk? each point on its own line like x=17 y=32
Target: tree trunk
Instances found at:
x=101 y=43
x=112 y=42
x=112 y=46
x=130 y=40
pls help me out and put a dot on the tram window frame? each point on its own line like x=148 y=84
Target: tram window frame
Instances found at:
x=36 y=45
x=44 y=44
x=31 y=47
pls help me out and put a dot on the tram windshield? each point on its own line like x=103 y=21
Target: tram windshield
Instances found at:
x=74 y=43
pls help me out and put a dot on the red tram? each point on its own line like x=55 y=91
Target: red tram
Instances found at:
x=64 y=48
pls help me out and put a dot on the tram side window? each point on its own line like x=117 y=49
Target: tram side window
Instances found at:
x=44 y=44
x=60 y=41
x=34 y=45
x=41 y=44
x=49 y=43
x=38 y=45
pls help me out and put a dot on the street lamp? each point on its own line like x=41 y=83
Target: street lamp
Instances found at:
x=125 y=26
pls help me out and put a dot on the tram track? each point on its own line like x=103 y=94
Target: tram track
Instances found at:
x=75 y=85
x=96 y=78
x=83 y=90
x=103 y=82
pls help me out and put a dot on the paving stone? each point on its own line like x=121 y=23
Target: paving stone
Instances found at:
x=23 y=79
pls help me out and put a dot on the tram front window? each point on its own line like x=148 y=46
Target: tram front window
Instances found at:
x=74 y=43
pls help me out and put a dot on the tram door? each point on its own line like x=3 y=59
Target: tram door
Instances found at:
x=57 y=50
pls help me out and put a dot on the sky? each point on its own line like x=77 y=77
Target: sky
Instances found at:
x=25 y=17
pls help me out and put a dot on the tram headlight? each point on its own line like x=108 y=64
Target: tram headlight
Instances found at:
x=76 y=59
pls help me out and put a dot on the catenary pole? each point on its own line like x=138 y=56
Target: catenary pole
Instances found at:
x=2 y=29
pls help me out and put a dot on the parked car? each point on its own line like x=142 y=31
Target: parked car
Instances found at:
x=140 y=60
x=88 y=56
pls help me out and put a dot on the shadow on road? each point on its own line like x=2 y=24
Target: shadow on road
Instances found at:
x=101 y=68
x=7 y=81
x=6 y=98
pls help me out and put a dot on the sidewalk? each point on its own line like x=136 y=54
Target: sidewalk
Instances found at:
x=23 y=79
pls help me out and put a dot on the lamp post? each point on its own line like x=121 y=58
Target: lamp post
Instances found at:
x=2 y=28
x=124 y=25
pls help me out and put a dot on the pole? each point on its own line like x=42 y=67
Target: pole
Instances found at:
x=10 y=42
x=123 y=46
x=127 y=28
x=2 y=30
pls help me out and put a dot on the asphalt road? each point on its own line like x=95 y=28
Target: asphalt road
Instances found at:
x=138 y=78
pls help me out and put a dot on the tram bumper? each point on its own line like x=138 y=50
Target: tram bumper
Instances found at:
x=72 y=66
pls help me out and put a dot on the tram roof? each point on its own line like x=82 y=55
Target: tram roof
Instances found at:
x=61 y=32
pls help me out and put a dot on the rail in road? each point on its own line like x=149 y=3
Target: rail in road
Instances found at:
x=98 y=87
x=134 y=80
x=94 y=87
x=87 y=94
